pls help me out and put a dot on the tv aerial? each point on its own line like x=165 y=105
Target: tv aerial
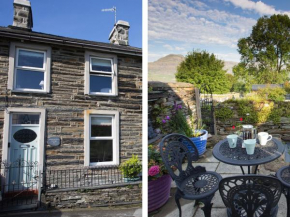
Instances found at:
x=113 y=9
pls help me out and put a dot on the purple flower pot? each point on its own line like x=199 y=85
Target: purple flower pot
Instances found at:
x=158 y=192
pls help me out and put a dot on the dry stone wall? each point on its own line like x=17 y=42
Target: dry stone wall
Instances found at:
x=166 y=94
x=66 y=103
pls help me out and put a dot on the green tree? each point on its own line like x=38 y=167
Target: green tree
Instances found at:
x=202 y=68
x=265 y=54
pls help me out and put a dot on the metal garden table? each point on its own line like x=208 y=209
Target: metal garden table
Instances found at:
x=239 y=157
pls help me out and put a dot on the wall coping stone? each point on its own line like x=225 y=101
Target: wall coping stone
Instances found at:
x=94 y=187
x=170 y=84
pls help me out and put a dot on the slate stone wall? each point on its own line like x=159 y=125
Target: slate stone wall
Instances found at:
x=166 y=94
x=66 y=103
x=89 y=198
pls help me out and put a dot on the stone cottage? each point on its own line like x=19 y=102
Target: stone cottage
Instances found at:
x=70 y=113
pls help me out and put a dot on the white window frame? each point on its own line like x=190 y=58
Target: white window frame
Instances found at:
x=13 y=66
x=88 y=71
x=88 y=114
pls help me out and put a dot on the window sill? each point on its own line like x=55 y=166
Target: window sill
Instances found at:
x=101 y=94
x=103 y=165
x=29 y=91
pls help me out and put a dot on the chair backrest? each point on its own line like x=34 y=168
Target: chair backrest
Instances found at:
x=175 y=150
x=250 y=195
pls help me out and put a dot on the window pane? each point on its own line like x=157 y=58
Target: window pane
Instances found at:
x=29 y=79
x=101 y=65
x=101 y=84
x=30 y=58
x=25 y=119
x=101 y=126
x=101 y=150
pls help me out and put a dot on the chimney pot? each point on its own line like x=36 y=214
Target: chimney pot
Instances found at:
x=120 y=33
x=22 y=14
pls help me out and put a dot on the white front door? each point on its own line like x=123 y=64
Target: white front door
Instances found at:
x=24 y=145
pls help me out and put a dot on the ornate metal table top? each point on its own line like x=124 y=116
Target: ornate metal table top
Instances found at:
x=283 y=175
x=238 y=156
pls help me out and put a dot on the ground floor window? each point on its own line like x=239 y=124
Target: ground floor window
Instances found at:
x=101 y=138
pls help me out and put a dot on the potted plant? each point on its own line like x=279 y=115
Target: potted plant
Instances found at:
x=198 y=136
x=131 y=169
x=195 y=131
x=159 y=181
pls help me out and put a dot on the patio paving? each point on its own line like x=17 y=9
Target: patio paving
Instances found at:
x=188 y=210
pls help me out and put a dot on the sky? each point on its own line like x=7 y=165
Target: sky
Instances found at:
x=82 y=19
x=179 y=26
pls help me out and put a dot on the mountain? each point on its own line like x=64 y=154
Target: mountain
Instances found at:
x=164 y=69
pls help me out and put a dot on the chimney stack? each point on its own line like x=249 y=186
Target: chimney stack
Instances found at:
x=120 y=33
x=22 y=14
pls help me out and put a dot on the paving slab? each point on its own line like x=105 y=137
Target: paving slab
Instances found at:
x=227 y=168
x=208 y=157
x=215 y=212
x=208 y=166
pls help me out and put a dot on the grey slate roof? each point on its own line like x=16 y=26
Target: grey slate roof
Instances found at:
x=259 y=86
x=60 y=40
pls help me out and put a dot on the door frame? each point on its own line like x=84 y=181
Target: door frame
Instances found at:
x=7 y=128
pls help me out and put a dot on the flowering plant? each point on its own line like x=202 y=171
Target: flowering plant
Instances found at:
x=156 y=167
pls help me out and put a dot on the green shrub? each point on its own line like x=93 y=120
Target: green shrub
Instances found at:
x=287 y=86
x=224 y=113
x=275 y=94
x=179 y=124
x=132 y=167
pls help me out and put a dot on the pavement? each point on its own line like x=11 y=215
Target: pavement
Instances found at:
x=225 y=170
x=97 y=212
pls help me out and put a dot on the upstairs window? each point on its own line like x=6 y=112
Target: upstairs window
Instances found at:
x=101 y=74
x=29 y=68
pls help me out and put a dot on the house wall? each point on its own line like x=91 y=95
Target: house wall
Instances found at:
x=89 y=198
x=66 y=103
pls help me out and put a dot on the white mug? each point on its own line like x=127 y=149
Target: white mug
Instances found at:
x=264 y=138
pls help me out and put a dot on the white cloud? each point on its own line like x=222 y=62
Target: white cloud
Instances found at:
x=228 y=56
x=179 y=21
x=259 y=7
x=167 y=46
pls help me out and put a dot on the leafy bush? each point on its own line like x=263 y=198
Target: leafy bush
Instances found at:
x=132 y=167
x=224 y=113
x=287 y=86
x=275 y=94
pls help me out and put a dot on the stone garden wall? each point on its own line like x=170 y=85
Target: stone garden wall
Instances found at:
x=66 y=103
x=165 y=95
x=276 y=122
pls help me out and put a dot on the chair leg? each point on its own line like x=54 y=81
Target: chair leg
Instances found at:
x=177 y=198
x=207 y=205
x=287 y=194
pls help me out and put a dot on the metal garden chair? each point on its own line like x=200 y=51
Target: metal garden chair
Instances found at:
x=193 y=183
x=251 y=195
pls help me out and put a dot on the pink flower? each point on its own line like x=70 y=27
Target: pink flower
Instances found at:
x=154 y=170
x=241 y=119
x=233 y=127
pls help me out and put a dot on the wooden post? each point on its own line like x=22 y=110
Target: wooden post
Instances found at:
x=197 y=103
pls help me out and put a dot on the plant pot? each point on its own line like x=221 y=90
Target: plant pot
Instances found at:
x=132 y=179
x=200 y=142
x=158 y=192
